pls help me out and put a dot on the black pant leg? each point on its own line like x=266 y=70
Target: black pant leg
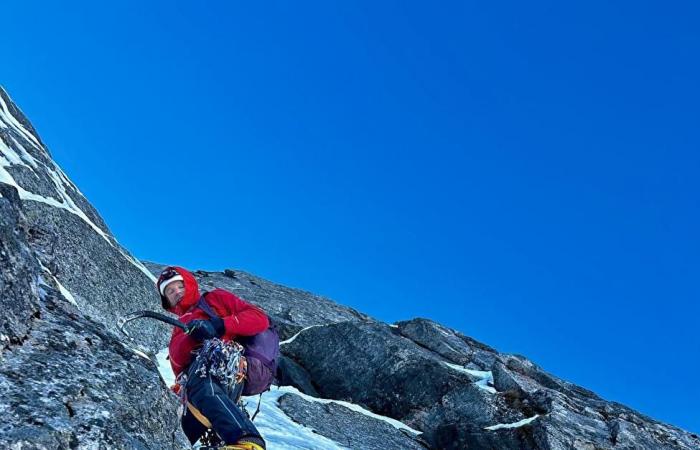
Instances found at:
x=232 y=424
x=192 y=427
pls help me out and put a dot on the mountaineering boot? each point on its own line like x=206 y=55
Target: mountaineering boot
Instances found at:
x=242 y=446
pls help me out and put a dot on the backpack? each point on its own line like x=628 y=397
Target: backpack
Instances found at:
x=262 y=351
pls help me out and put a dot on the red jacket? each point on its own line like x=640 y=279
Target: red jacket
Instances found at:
x=240 y=319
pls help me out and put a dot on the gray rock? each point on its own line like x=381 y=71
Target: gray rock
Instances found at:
x=348 y=428
x=290 y=373
x=67 y=381
x=507 y=381
x=103 y=282
x=393 y=376
x=367 y=364
x=72 y=384
x=18 y=268
x=450 y=344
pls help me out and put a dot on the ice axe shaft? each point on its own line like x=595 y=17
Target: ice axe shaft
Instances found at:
x=149 y=314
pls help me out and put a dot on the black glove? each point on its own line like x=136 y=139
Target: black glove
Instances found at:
x=202 y=330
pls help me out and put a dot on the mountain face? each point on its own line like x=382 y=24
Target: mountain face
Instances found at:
x=69 y=379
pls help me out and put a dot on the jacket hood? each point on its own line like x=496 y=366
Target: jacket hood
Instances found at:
x=191 y=292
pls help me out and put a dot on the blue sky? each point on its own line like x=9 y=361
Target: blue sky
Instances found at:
x=524 y=173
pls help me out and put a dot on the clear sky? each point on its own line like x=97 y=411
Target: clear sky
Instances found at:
x=524 y=172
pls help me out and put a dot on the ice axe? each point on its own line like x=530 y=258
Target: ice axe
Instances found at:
x=149 y=314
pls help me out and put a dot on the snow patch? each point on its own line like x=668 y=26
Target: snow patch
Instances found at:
x=295 y=336
x=444 y=333
x=140 y=353
x=12 y=157
x=60 y=180
x=351 y=406
x=136 y=351
x=65 y=292
x=279 y=431
x=485 y=377
x=67 y=203
x=518 y=424
x=67 y=180
x=164 y=368
x=24 y=154
x=40 y=284
x=139 y=266
x=9 y=119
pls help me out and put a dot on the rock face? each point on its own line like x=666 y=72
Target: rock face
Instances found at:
x=461 y=393
x=67 y=235
x=69 y=380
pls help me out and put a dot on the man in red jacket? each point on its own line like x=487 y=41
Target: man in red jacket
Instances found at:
x=234 y=317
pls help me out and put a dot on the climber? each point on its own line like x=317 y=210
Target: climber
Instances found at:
x=216 y=314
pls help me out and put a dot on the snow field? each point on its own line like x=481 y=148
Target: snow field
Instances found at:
x=279 y=431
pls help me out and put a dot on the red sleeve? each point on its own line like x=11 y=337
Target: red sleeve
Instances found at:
x=180 y=350
x=240 y=317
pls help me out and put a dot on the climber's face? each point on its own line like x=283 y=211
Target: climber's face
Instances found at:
x=174 y=292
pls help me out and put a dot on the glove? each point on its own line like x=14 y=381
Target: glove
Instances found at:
x=202 y=330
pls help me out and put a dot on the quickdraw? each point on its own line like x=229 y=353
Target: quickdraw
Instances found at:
x=223 y=361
